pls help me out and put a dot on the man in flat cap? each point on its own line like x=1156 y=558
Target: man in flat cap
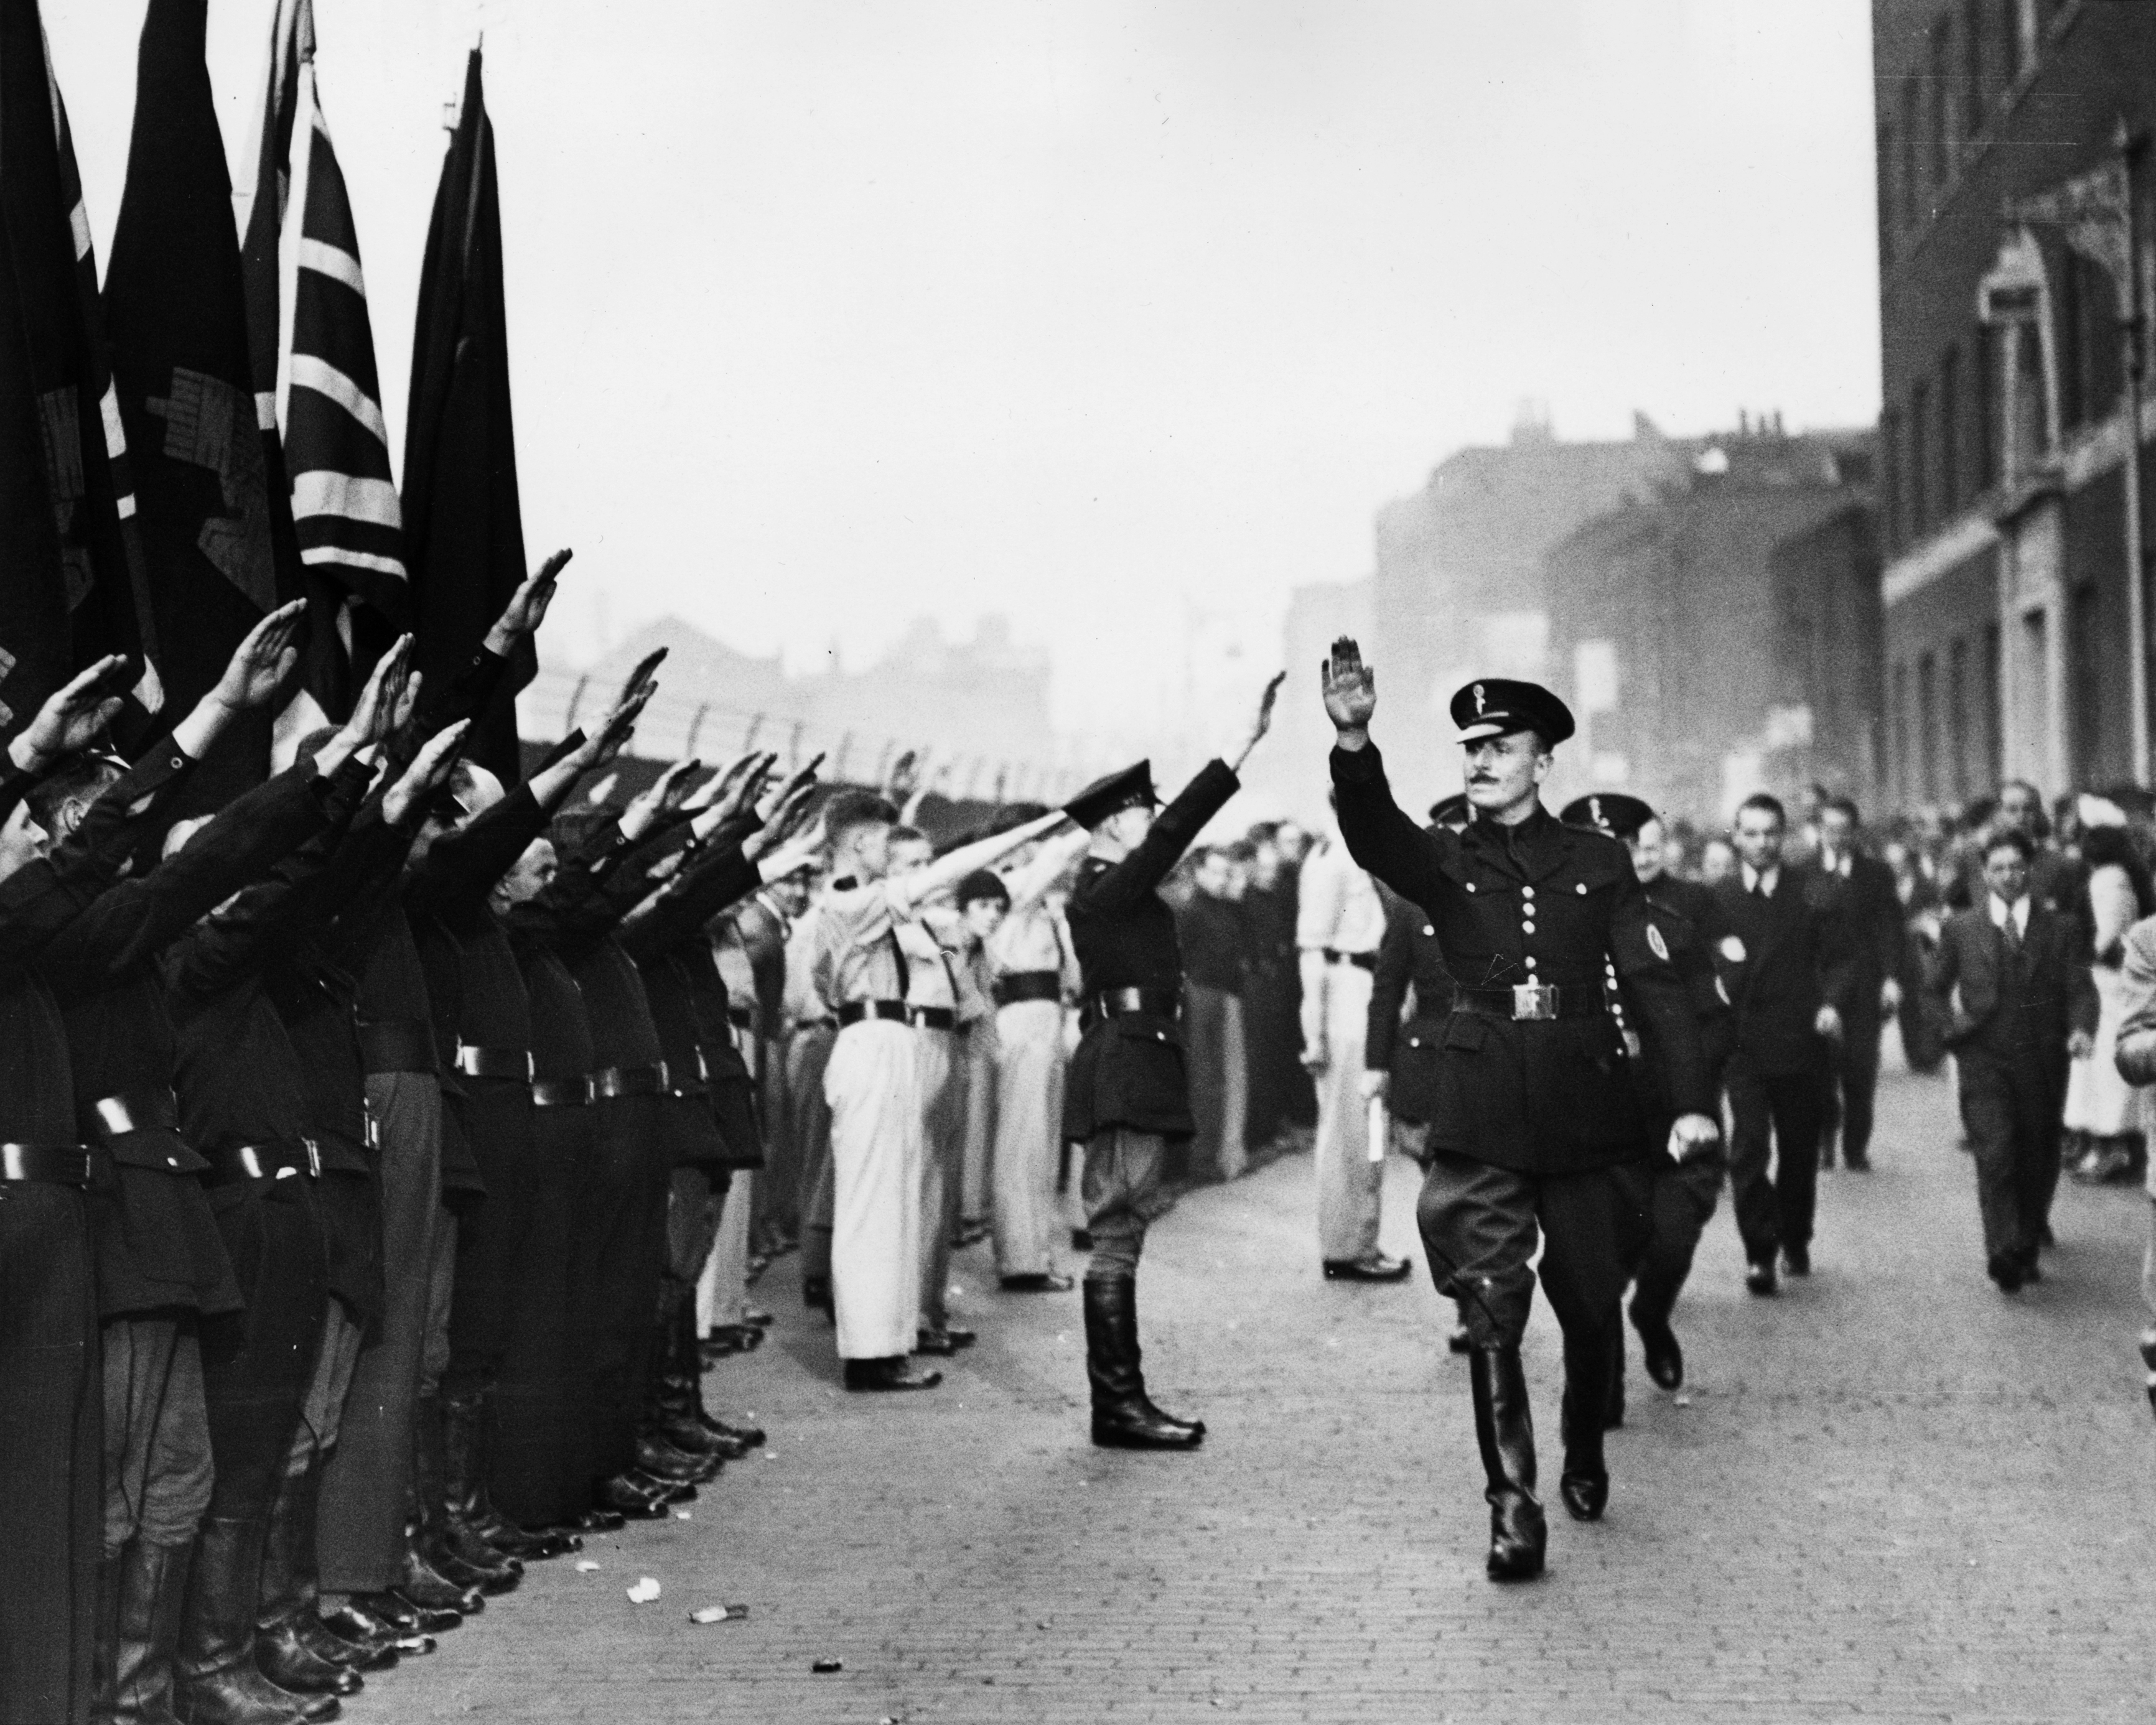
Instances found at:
x=1535 y=1103
x=1127 y=1092
x=1676 y=1199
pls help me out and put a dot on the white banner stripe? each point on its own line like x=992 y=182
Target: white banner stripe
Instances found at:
x=116 y=432
x=357 y=560
x=265 y=410
x=312 y=372
x=356 y=500
x=335 y=261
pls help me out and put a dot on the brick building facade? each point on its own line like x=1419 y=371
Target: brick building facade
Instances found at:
x=2007 y=648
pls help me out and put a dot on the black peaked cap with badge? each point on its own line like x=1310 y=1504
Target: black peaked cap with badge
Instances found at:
x=1610 y=812
x=1498 y=706
x=1131 y=788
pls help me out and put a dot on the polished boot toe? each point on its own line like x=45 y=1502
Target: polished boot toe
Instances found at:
x=936 y=1342
x=372 y=1654
x=2006 y=1272
x=594 y=1520
x=1459 y=1342
x=624 y=1496
x=1586 y=1494
x=750 y=1435
x=889 y=1375
x=1797 y=1260
x=282 y=1654
x=410 y=1622
x=1519 y=1536
x=1375 y=1267
x=1759 y=1279
x=1046 y=1282
x=1658 y=1342
x=1130 y=1425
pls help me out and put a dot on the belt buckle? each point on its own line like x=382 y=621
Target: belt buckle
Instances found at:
x=1534 y=1002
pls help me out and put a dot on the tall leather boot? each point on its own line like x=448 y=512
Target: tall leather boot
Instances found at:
x=420 y=1584
x=689 y=1367
x=462 y=1550
x=656 y=1452
x=216 y=1682
x=471 y=1504
x=430 y=1477
x=287 y=1594
x=676 y=1393
x=1505 y=1432
x=1612 y=1406
x=152 y=1585
x=1123 y=1417
x=105 y=1643
x=1585 y=1484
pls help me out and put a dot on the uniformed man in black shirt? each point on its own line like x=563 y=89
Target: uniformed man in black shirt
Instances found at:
x=1675 y=1200
x=1535 y=1103
x=1128 y=1093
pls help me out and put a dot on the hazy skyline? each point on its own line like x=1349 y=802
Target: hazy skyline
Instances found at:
x=1106 y=317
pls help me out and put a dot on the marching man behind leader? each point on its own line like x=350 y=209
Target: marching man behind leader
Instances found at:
x=1534 y=1103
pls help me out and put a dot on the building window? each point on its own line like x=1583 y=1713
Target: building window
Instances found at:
x=1982 y=381
x=2018 y=26
x=1927 y=721
x=1890 y=475
x=1912 y=206
x=1949 y=431
x=1946 y=104
x=1994 y=752
x=1905 y=781
x=1918 y=477
x=1976 y=98
x=1960 y=741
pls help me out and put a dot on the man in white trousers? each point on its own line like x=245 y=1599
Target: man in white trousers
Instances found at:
x=1031 y=955
x=932 y=1000
x=1340 y=923
x=873 y=1084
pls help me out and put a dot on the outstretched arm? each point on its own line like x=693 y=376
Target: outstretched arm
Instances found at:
x=1379 y=834
x=948 y=870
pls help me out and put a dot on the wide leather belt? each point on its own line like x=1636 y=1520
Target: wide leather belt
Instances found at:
x=857 y=1012
x=1029 y=985
x=630 y=1080
x=1154 y=1002
x=145 y=1110
x=1532 y=1002
x=494 y=1063
x=264 y=1162
x=54 y=1165
x=398 y=1045
x=803 y=1026
x=741 y=1017
x=1360 y=960
x=932 y=1018
x=561 y=1092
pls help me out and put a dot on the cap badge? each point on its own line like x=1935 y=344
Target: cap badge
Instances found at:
x=1478 y=700
x=1594 y=811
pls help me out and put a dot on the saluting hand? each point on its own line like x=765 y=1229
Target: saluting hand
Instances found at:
x=261 y=662
x=71 y=716
x=527 y=606
x=424 y=776
x=1351 y=692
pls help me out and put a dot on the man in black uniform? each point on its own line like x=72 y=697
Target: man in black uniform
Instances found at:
x=1675 y=1200
x=1535 y=1103
x=1128 y=1093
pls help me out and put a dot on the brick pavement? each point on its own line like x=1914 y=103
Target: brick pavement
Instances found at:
x=1891 y=1494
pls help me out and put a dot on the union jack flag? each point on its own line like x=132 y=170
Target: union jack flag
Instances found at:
x=314 y=373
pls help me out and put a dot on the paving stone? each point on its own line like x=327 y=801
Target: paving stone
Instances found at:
x=1894 y=1494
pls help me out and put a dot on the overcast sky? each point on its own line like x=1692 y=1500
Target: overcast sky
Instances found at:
x=1108 y=316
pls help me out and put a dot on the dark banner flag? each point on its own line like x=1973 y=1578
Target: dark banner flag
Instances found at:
x=313 y=352
x=463 y=528
x=211 y=518
x=72 y=579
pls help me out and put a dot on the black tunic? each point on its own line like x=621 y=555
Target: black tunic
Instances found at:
x=1536 y=903
x=157 y=1244
x=1403 y=1039
x=1128 y=1069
